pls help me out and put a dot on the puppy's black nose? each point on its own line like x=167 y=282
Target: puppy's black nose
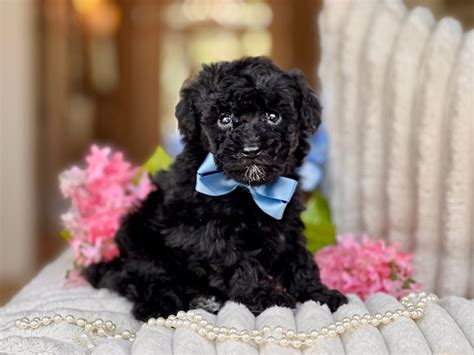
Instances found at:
x=251 y=151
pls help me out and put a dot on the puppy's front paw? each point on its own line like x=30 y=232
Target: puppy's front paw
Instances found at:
x=143 y=311
x=333 y=298
x=276 y=298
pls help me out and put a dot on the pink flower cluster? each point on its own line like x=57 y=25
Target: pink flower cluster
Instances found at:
x=366 y=267
x=100 y=194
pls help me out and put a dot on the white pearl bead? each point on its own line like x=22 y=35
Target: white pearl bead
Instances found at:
x=271 y=340
x=81 y=322
x=101 y=332
x=245 y=337
x=339 y=329
x=202 y=331
x=284 y=342
x=151 y=321
x=46 y=321
x=290 y=333
x=375 y=322
x=314 y=333
x=332 y=333
x=125 y=334
x=258 y=339
x=309 y=342
x=324 y=330
x=70 y=319
x=58 y=318
x=296 y=343
x=301 y=336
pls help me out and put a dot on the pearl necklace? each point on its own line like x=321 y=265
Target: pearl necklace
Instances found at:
x=414 y=306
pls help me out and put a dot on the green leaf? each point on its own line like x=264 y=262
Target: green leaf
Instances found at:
x=160 y=160
x=319 y=229
x=65 y=234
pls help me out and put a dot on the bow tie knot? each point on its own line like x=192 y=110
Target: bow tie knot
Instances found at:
x=271 y=198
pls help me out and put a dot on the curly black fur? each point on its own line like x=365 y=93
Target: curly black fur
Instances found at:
x=180 y=245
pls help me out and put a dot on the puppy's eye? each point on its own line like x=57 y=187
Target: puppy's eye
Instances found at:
x=225 y=120
x=273 y=118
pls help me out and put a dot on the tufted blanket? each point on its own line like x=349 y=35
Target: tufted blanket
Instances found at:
x=448 y=327
x=398 y=93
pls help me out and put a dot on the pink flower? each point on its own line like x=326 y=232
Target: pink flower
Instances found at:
x=100 y=195
x=366 y=267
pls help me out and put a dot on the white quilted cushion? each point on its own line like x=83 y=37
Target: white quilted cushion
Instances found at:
x=446 y=328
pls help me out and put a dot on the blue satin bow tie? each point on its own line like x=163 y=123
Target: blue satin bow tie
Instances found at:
x=271 y=198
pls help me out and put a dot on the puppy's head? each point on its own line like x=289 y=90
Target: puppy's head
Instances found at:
x=254 y=117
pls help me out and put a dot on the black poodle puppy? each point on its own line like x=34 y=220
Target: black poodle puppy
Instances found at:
x=245 y=124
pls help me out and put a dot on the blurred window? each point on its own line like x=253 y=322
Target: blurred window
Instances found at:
x=203 y=31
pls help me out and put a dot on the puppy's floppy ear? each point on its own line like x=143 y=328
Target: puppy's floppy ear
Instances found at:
x=308 y=104
x=186 y=112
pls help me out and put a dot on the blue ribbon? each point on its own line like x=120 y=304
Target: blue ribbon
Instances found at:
x=271 y=198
